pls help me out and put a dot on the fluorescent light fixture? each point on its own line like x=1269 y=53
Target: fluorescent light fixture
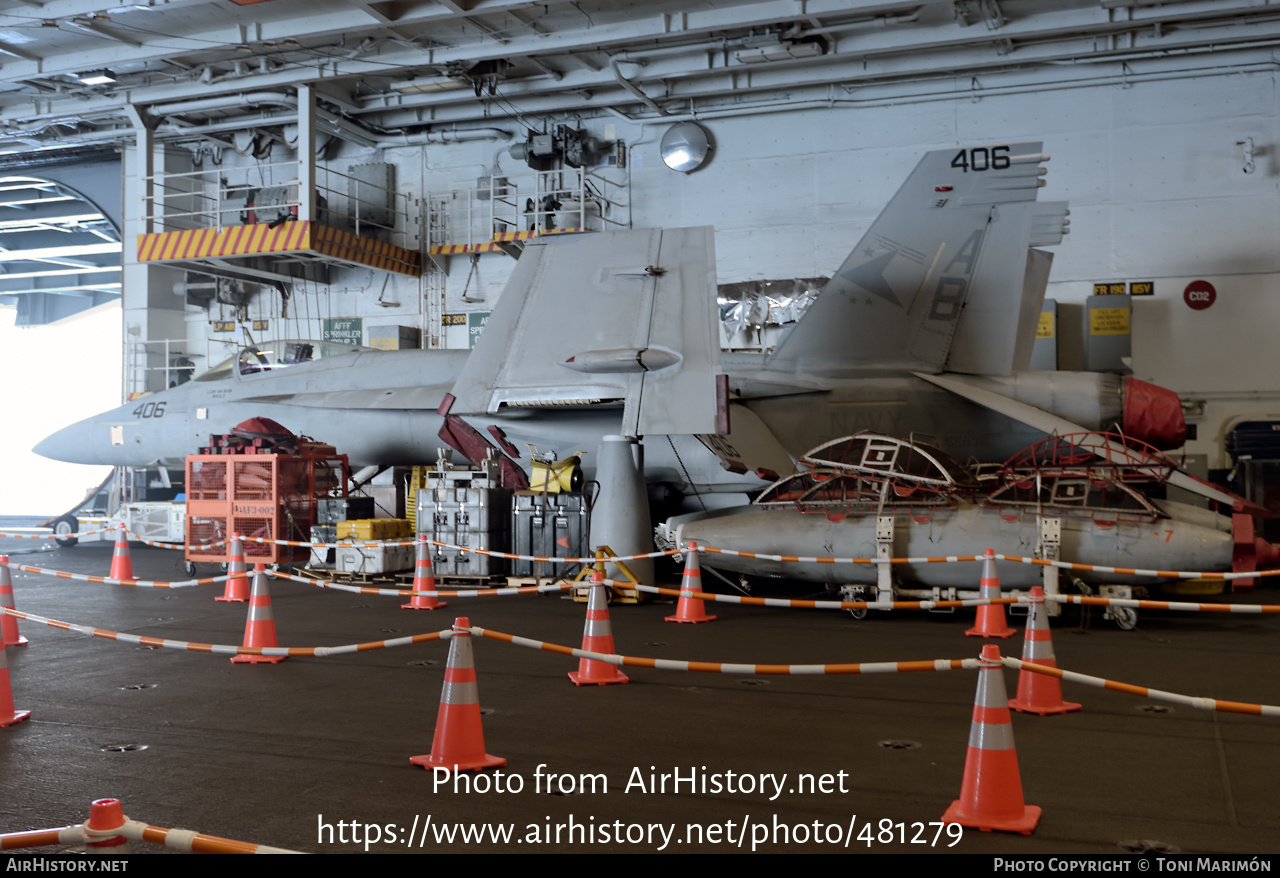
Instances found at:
x=97 y=77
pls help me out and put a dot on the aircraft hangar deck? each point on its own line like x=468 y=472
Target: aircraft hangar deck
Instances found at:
x=269 y=753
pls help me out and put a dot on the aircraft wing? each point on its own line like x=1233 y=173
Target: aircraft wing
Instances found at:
x=1052 y=424
x=623 y=318
x=423 y=397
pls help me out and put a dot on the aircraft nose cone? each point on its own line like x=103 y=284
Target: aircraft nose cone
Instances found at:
x=70 y=445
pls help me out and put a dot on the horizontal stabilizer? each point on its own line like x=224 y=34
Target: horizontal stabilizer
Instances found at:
x=1052 y=424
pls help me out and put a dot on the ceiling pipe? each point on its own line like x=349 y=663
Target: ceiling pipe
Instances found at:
x=947 y=95
x=337 y=124
x=633 y=89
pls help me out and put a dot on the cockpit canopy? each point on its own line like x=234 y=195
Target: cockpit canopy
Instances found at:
x=272 y=355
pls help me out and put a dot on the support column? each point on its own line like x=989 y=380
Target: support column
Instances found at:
x=151 y=310
x=620 y=519
x=306 y=153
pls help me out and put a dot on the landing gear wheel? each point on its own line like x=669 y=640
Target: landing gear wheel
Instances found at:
x=63 y=528
x=854 y=593
x=1126 y=618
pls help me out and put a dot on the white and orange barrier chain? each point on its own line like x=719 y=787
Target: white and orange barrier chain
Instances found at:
x=137 y=583
x=1135 y=603
x=51 y=535
x=226 y=649
x=847 y=668
x=878 y=668
x=184 y=840
x=1018 y=559
x=492 y=553
x=550 y=588
x=1179 y=606
x=159 y=545
x=1135 y=571
x=805 y=559
x=90 y=533
x=1199 y=703
x=805 y=604
x=631 y=661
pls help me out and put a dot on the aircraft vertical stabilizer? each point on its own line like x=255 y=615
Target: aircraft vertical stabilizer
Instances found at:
x=961 y=221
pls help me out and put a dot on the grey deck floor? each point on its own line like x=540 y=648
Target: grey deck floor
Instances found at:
x=269 y=753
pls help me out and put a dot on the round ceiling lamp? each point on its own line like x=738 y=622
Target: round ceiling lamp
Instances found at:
x=686 y=147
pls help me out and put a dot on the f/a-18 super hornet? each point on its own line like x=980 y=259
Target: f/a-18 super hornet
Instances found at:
x=926 y=327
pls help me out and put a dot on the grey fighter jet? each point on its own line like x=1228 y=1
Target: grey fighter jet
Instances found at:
x=615 y=333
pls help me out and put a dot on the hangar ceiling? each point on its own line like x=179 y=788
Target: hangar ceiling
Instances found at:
x=70 y=70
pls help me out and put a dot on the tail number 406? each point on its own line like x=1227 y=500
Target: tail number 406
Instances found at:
x=149 y=410
x=982 y=158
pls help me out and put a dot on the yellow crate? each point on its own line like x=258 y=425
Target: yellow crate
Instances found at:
x=364 y=529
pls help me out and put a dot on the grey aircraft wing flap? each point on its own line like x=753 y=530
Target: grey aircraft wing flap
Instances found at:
x=609 y=318
x=683 y=320
x=1052 y=424
x=897 y=300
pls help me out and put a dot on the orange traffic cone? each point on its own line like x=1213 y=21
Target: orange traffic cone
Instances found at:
x=597 y=636
x=8 y=716
x=689 y=608
x=991 y=792
x=121 y=565
x=237 y=588
x=1039 y=693
x=458 y=744
x=990 y=621
x=8 y=624
x=105 y=816
x=260 y=629
x=424 y=580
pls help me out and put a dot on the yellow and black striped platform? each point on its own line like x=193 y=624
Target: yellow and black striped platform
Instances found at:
x=303 y=238
x=492 y=246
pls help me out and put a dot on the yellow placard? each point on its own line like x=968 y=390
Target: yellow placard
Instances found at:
x=383 y=344
x=1044 y=329
x=1109 y=321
